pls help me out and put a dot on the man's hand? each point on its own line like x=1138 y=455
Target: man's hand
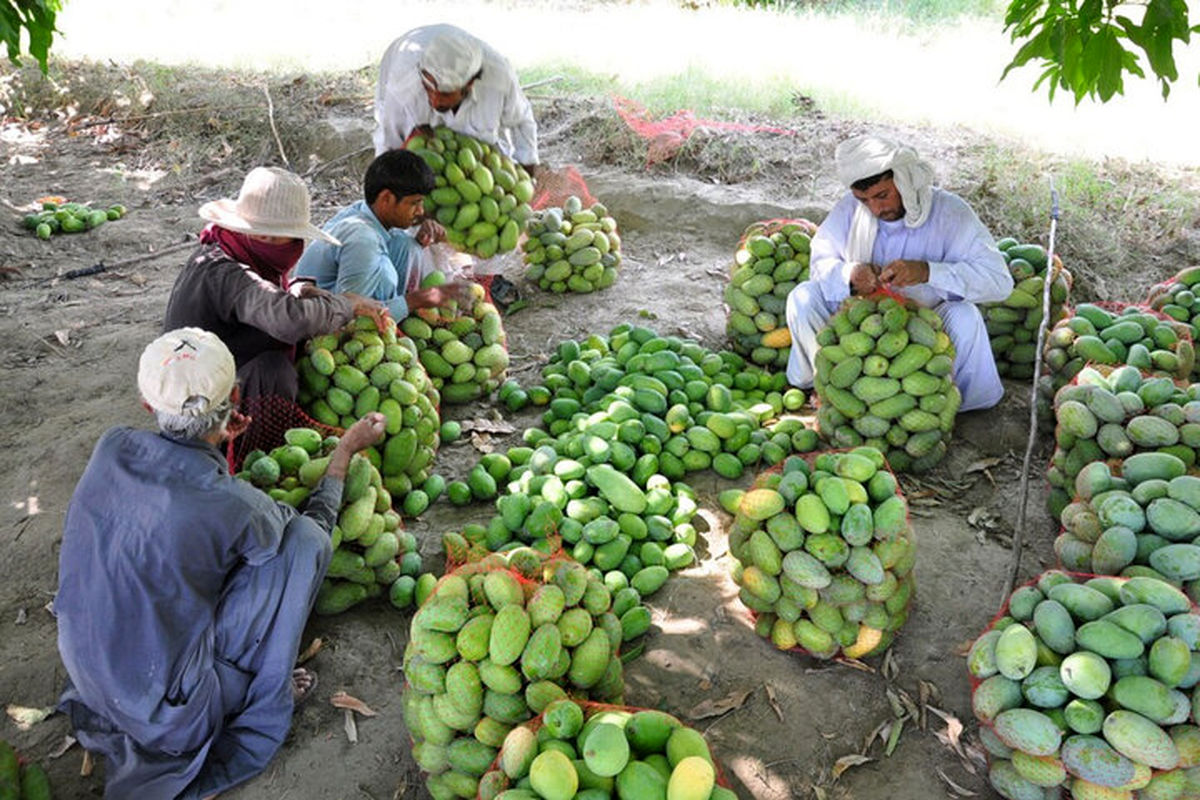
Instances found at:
x=863 y=279
x=438 y=295
x=306 y=290
x=536 y=171
x=237 y=425
x=367 y=307
x=364 y=433
x=902 y=272
x=429 y=231
x=424 y=130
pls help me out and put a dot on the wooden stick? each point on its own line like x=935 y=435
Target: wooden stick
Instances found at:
x=339 y=159
x=274 y=130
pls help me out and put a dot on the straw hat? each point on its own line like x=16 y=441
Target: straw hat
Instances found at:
x=272 y=202
x=186 y=372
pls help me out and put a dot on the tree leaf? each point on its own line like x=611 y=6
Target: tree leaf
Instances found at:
x=846 y=762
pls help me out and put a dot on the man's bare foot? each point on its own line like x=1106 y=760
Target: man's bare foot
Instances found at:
x=304 y=682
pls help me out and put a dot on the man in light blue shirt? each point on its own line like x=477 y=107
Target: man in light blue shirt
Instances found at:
x=377 y=256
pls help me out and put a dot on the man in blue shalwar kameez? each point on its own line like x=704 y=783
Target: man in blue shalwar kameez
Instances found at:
x=183 y=591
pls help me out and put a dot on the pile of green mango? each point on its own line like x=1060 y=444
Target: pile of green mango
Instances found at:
x=884 y=375
x=1131 y=335
x=347 y=375
x=372 y=554
x=823 y=554
x=1177 y=299
x=463 y=349
x=1012 y=324
x=596 y=752
x=69 y=218
x=771 y=259
x=493 y=646
x=1108 y=414
x=572 y=248
x=1087 y=685
x=481 y=195
x=17 y=782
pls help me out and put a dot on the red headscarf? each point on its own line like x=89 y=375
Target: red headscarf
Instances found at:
x=271 y=262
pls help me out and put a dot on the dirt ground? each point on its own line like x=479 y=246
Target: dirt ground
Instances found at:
x=69 y=363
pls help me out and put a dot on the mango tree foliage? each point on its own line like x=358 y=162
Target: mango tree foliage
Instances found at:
x=1087 y=47
x=36 y=18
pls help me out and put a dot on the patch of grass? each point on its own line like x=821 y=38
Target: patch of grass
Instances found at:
x=914 y=12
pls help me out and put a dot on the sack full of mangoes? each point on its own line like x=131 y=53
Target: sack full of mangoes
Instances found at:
x=481 y=196
x=772 y=257
x=1106 y=414
x=348 y=374
x=372 y=554
x=490 y=649
x=823 y=554
x=1176 y=298
x=1012 y=324
x=1082 y=689
x=462 y=347
x=581 y=749
x=1145 y=521
x=573 y=248
x=884 y=376
x=1122 y=334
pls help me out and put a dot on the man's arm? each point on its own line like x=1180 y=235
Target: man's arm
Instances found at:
x=972 y=269
x=828 y=265
x=323 y=504
x=517 y=116
x=400 y=102
x=365 y=267
x=253 y=301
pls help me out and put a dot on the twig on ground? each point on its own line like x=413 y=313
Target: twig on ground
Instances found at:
x=344 y=157
x=275 y=130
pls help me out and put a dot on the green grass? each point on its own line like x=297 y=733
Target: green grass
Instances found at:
x=916 y=12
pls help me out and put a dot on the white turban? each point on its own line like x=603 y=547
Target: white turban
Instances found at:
x=865 y=156
x=453 y=58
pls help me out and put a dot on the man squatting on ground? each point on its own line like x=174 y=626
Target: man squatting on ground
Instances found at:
x=895 y=230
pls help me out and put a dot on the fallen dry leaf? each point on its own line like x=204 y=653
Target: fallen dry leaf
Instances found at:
x=22 y=616
x=482 y=442
x=716 y=708
x=881 y=731
x=846 y=762
x=774 y=703
x=63 y=336
x=487 y=426
x=964 y=648
x=350 y=726
x=954 y=787
x=85 y=768
x=66 y=744
x=854 y=663
x=310 y=651
x=984 y=463
x=952 y=735
x=893 y=738
x=350 y=703
x=25 y=718
x=828 y=736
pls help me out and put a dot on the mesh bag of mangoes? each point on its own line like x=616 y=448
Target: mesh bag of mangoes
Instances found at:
x=1083 y=685
x=372 y=554
x=1176 y=298
x=492 y=647
x=1012 y=324
x=463 y=347
x=481 y=196
x=350 y=373
x=823 y=553
x=771 y=259
x=572 y=248
x=884 y=376
x=581 y=749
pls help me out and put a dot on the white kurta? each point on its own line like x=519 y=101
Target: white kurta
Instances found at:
x=495 y=111
x=965 y=268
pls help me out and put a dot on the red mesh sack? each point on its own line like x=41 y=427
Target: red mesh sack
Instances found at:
x=826 y=584
x=1171 y=354
x=665 y=136
x=472 y=672
x=555 y=186
x=771 y=259
x=1021 y=705
x=1012 y=324
x=270 y=418
x=470 y=359
x=643 y=729
x=884 y=378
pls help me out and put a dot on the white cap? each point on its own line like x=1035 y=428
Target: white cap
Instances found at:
x=453 y=58
x=186 y=372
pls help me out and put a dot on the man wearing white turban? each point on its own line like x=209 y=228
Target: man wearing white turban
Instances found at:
x=441 y=75
x=895 y=230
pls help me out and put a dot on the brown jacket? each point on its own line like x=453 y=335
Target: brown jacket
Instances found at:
x=251 y=315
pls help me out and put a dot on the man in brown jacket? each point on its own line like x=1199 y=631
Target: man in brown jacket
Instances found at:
x=237 y=283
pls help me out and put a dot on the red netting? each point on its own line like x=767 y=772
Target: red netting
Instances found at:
x=555 y=186
x=270 y=417
x=590 y=709
x=664 y=137
x=1188 y=276
x=767 y=227
x=887 y=636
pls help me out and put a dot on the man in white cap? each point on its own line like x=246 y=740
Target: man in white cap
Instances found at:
x=440 y=75
x=237 y=284
x=183 y=591
x=895 y=230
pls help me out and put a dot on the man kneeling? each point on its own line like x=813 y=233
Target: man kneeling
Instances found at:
x=183 y=591
x=895 y=230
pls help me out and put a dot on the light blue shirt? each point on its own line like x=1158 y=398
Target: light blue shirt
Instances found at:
x=372 y=261
x=964 y=263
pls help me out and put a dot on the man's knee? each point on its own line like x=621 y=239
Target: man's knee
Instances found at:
x=960 y=314
x=803 y=300
x=305 y=541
